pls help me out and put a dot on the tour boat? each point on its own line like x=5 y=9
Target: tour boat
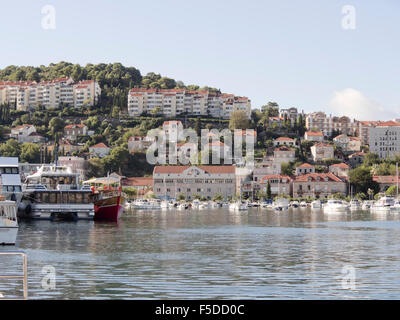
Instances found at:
x=53 y=192
x=109 y=202
x=383 y=204
x=316 y=204
x=8 y=222
x=335 y=206
x=281 y=204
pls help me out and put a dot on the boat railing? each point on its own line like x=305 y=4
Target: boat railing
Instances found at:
x=66 y=187
x=23 y=277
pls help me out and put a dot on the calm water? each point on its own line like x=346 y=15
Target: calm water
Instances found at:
x=213 y=254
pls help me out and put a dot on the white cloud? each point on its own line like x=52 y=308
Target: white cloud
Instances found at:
x=352 y=103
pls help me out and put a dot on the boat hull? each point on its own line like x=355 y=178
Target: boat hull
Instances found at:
x=109 y=209
x=8 y=235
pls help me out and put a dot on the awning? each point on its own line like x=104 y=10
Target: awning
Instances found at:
x=105 y=180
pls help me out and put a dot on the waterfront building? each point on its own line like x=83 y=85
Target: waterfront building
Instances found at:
x=318 y=185
x=314 y=136
x=24 y=95
x=348 y=144
x=280 y=184
x=208 y=181
x=173 y=102
x=322 y=151
x=384 y=139
x=386 y=181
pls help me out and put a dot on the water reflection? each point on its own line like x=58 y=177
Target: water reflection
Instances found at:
x=216 y=254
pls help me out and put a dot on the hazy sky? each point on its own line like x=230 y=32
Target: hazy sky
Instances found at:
x=293 y=52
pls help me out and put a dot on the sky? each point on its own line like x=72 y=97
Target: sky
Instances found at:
x=294 y=52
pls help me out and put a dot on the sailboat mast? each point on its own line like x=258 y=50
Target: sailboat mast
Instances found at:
x=397 y=179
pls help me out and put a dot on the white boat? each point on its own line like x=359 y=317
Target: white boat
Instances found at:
x=366 y=205
x=355 y=205
x=10 y=179
x=295 y=204
x=395 y=208
x=303 y=205
x=281 y=204
x=383 y=204
x=316 y=205
x=164 y=205
x=145 y=204
x=54 y=191
x=238 y=206
x=8 y=222
x=203 y=205
x=196 y=203
x=335 y=206
x=183 y=206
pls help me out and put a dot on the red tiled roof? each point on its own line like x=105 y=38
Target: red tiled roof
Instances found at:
x=208 y=169
x=385 y=179
x=360 y=154
x=265 y=179
x=72 y=126
x=283 y=148
x=137 y=182
x=313 y=176
x=305 y=165
x=284 y=139
x=99 y=145
x=390 y=123
x=314 y=134
x=340 y=165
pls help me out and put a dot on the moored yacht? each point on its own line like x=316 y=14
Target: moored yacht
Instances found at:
x=281 y=204
x=316 y=205
x=238 y=206
x=53 y=192
x=383 y=204
x=355 y=205
x=335 y=206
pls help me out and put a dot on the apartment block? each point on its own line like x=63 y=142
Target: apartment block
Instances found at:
x=328 y=125
x=24 y=95
x=318 y=185
x=384 y=139
x=173 y=102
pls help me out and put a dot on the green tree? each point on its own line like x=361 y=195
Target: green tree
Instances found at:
x=30 y=153
x=181 y=197
x=239 y=120
x=269 y=192
x=11 y=148
x=361 y=179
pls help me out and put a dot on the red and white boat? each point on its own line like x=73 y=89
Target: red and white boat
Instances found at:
x=108 y=201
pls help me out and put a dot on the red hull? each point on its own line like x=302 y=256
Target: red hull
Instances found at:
x=108 y=211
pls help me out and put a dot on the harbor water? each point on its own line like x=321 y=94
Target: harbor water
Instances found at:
x=211 y=254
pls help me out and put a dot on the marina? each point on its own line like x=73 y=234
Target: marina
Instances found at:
x=214 y=253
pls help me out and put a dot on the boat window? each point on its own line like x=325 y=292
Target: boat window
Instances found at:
x=72 y=197
x=86 y=198
x=45 y=197
x=8 y=170
x=79 y=198
x=15 y=170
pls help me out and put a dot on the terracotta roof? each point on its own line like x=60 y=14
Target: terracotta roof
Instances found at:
x=167 y=123
x=314 y=134
x=265 y=179
x=22 y=127
x=305 y=165
x=340 y=165
x=385 y=179
x=35 y=134
x=388 y=124
x=208 y=169
x=283 y=148
x=359 y=154
x=322 y=144
x=137 y=182
x=99 y=145
x=284 y=139
x=72 y=126
x=314 y=176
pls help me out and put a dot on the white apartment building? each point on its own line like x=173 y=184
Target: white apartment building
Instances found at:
x=208 y=181
x=319 y=121
x=24 y=95
x=384 y=139
x=172 y=102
